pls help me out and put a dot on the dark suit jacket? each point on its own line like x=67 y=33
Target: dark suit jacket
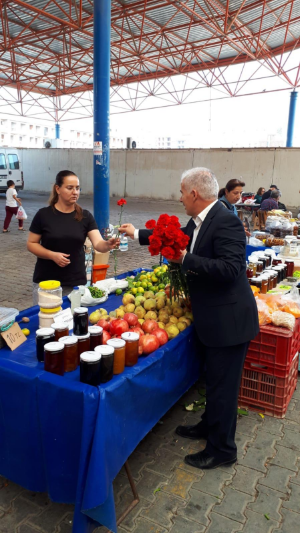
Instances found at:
x=225 y=312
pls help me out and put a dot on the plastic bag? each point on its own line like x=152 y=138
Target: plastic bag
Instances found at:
x=87 y=299
x=291 y=303
x=21 y=214
x=255 y=242
x=111 y=285
x=264 y=316
x=285 y=320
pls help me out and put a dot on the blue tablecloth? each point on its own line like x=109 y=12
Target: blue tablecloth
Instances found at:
x=70 y=439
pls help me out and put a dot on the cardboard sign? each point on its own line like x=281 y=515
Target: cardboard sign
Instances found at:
x=14 y=336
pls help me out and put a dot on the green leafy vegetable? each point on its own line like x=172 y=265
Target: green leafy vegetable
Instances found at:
x=242 y=412
x=96 y=293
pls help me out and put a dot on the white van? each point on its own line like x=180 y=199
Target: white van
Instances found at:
x=10 y=169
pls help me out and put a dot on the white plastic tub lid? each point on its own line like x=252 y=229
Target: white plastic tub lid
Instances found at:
x=7 y=315
x=90 y=357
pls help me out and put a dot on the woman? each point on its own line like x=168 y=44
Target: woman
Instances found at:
x=58 y=233
x=11 y=206
x=258 y=196
x=231 y=194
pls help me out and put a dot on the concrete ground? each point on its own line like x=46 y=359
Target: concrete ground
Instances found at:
x=260 y=494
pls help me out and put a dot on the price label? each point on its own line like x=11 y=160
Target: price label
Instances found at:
x=14 y=336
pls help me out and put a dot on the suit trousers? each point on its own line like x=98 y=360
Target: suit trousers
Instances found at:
x=224 y=368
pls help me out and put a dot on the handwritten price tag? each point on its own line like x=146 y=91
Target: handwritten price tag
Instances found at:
x=14 y=336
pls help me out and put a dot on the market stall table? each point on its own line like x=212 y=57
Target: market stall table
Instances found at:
x=70 y=439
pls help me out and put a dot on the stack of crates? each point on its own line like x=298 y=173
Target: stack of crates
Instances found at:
x=270 y=372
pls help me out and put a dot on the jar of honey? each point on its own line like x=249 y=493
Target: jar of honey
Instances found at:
x=80 y=321
x=43 y=336
x=132 y=347
x=90 y=368
x=70 y=353
x=259 y=267
x=96 y=336
x=249 y=272
x=290 y=268
x=119 y=356
x=61 y=330
x=107 y=362
x=253 y=265
x=83 y=344
x=264 y=285
x=54 y=358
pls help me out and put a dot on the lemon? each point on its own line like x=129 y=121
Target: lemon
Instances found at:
x=149 y=275
x=26 y=332
x=138 y=284
x=119 y=291
x=164 y=268
x=134 y=291
x=144 y=284
x=142 y=277
x=140 y=290
x=161 y=286
x=157 y=269
x=154 y=279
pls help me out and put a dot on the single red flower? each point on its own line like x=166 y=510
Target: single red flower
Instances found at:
x=155 y=241
x=150 y=224
x=174 y=221
x=122 y=201
x=168 y=252
x=163 y=220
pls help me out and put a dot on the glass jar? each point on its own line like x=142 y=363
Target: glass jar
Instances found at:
x=49 y=294
x=131 y=348
x=264 y=285
x=279 y=271
x=258 y=282
x=290 y=268
x=107 y=362
x=70 y=353
x=249 y=272
x=119 y=356
x=253 y=265
x=276 y=262
x=263 y=259
x=42 y=337
x=259 y=267
x=61 y=330
x=90 y=368
x=268 y=260
x=54 y=358
x=96 y=336
x=80 y=321
x=83 y=344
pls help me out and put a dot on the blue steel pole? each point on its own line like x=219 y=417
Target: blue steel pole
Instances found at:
x=57 y=131
x=291 y=123
x=102 y=22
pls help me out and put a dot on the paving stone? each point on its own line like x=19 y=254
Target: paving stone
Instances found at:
x=63 y=528
x=145 y=526
x=24 y=528
x=291 y=440
x=293 y=503
x=272 y=425
x=39 y=498
x=290 y=523
x=180 y=483
x=168 y=425
x=278 y=478
x=242 y=442
x=137 y=462
x=268 y=502
x=198 y=507
x=258 y=523
x=245 y=480
x=20 y=510
x=129 y=523
x=188 y=468
x=150 y=444
x=234 y=504
x=149 y=482
x=293 y=415
x=286 y=458
x=182 y=525
x=163 y=509
x=265 y=440
x=221 y=524
x=296 y=479
x=120 y=484
x=248 y=425
x=256 y=459
x=213 y=482
x=165 y=462
x=8 y=493
x=52 y=516
x=290 y=425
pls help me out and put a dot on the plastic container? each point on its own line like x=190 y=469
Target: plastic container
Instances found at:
x=7 y=316
x=265 y=392
x=123 y=244
x=99 y=272
x=75 y=298
x=49 y=294
x=46 y=316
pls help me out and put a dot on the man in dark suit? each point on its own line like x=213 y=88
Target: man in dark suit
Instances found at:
x=224 y=309
x=267 y=194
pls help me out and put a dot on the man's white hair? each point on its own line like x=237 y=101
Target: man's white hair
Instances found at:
x=203 y=181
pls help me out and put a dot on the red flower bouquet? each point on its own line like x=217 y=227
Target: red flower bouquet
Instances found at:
x=169 y=240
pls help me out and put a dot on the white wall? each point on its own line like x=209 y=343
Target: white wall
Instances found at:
x=156 y=173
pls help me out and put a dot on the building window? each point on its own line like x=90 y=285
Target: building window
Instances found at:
x=31 y=127
x=45 y=131
x=13 y=126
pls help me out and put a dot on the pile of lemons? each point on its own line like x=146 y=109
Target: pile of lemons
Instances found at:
x=148 y=281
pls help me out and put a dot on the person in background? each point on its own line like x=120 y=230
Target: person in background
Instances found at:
x=272 y=202
x=259 y=194
x=11 y=206
x=231 y=194
x=58 y=233
x=267 y=194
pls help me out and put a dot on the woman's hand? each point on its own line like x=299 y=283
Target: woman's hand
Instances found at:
x=113 y=243
x=61 y=259
x=128 y=229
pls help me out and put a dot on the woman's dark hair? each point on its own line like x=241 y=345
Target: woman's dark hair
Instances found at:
x=260 y=190
x=60 y=177
x=230 y=185
x=9 y=183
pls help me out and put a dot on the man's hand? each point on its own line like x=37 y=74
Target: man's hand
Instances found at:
x=180 y=260
x=112 y=243
x=61 y=259
x=128 y=229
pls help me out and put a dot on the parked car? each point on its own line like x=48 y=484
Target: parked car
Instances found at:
x=10 y=168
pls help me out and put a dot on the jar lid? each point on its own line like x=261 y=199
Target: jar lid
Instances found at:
x=59 y=326
x=81 y=337
x=44 y=331
x=116 y=343
x=50 y=311
x=54 y=346
x=68 y=339
x=49 y=285
x=104 y=349
x=95 y=330
x=90 y=357
x=130 y=336
x=80 y=310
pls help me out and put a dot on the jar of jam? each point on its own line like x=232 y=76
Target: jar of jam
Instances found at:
x=268 y=261
x=259 y=267
x=83 y=344
x=290 y=268
x=249 y=272
x=263 y=259
x=132 y=347
x=258 y=282
x=70 y=353
x=96 y=336
x=107 y=362
x=119 y=356
x=90 y=368
x=80 y=321
x=54 y=358
x=253 y=265
x=264 y=285
x=42 y=337
x=276 y=262
x=279 y=272
x=61 y=330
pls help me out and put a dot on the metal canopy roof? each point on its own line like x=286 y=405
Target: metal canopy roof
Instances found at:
x=47 y=45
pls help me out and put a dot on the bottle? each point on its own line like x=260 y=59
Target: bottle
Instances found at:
x=75 y=298
x=123 y=244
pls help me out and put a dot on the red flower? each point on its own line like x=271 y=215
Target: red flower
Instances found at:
x=175 y=221
x=155 y=241
x=122 y=201
x=168 y=252
x=151 y=224
x=163 y=220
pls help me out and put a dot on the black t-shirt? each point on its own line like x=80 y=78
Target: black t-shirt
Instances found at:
x=60 y=232
x=266 y=195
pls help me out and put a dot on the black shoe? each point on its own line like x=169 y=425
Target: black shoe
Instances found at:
x=192 y=432
x=205 y=461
